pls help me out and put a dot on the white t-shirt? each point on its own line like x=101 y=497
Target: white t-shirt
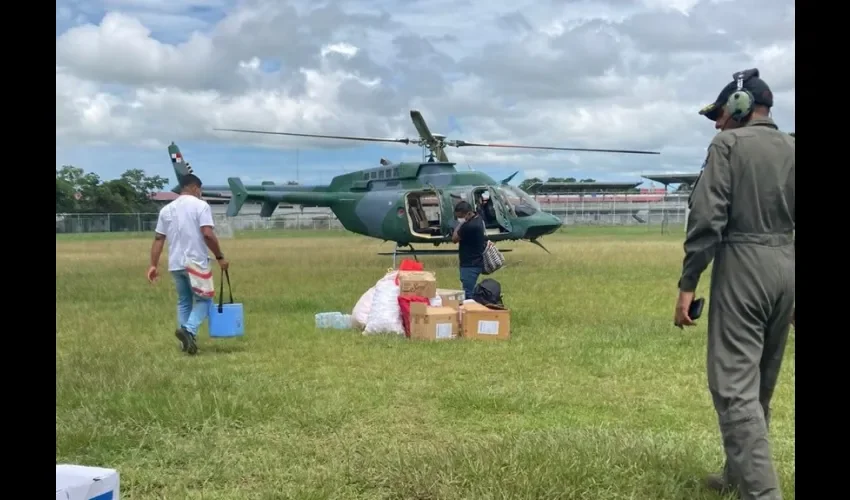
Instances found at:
x=181 y=221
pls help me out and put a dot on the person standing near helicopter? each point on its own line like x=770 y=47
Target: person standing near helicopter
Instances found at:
x=471 y=239
x=743 y=217
x=486 y=210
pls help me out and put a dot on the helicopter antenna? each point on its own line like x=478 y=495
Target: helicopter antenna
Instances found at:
x=435 y=143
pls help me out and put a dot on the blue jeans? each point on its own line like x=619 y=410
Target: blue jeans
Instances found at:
x=468 y=278
x=191 y=309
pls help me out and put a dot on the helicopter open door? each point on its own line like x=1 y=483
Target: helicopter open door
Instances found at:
x=447 y=212
x=425 y=213
x=503 y=208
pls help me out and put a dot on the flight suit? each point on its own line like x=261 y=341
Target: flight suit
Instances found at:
x=742 y=214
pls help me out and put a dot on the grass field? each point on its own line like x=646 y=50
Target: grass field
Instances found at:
x=596 y=396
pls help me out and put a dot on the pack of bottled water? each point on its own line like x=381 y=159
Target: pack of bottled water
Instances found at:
x=335 y=320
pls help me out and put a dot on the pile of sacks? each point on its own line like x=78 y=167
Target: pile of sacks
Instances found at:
x=379 y=310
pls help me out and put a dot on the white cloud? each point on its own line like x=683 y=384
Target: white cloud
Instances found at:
x=610 y=74
x=346 y=49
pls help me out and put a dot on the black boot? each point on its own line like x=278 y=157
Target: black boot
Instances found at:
x=718 y=483
x=187 y=341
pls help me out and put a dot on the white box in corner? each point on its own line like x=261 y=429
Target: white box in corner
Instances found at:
x=78 y=482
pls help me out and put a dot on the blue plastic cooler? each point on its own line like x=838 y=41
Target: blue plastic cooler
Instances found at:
x=226 y=320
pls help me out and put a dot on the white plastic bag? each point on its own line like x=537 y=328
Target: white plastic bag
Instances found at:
x=385 y=314
x=360 y=313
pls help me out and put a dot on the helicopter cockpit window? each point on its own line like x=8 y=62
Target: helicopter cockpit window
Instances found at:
x=523 y=204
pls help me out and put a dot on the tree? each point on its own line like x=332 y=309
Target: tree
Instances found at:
x=81 y=192
x=65 y=201
x=527 y=183
x=142 y=185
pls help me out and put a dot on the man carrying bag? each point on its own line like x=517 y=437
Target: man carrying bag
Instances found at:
x=187 y=224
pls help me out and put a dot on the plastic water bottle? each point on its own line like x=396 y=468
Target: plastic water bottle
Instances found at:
x=343 y=322
x=330 y=319
x=322 y=320
x=335 y=320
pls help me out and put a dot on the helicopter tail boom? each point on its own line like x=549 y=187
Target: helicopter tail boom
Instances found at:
x=268 y=193
x=239 y=194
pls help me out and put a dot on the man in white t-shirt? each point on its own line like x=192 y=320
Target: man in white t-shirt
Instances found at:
x=187 y=224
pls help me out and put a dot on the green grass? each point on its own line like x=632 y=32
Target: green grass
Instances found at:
x=595 y=396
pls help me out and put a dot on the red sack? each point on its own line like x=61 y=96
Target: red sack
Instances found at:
x=409 y=265
x=404 y=305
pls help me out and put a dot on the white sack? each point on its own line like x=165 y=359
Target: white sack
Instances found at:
x=385 y=315
x=360 y=313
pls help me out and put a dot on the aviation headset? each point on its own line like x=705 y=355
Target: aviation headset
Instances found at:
x=740 y=104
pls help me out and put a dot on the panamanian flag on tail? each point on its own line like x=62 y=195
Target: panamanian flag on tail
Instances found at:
x=176 y=157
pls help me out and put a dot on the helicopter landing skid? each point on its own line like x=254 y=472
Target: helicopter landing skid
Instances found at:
x=411 y=252
x=416 y=253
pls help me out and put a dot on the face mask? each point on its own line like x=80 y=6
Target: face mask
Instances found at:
x=461 y=219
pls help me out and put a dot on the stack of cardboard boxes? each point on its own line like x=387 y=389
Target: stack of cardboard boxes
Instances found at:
x=454 y=318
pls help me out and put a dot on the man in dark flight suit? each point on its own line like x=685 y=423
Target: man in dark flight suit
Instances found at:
x=486 y=210
x=742 y=215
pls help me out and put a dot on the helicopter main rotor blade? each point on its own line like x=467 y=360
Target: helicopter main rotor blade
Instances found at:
x=320 y=136
x=550 y=148
x=421 y=126
x=436 y=147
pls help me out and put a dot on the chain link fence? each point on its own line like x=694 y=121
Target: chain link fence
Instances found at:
x=669 y=212
x=135 y=223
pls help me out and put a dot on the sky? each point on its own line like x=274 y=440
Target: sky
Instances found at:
x=134 y=75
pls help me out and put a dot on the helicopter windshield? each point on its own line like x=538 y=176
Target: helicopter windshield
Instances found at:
x=523 y=204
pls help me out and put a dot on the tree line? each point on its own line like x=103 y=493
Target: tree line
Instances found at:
x=78 y=192
x=81 y=192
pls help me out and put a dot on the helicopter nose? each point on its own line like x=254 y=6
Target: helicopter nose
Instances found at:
x=548 y=224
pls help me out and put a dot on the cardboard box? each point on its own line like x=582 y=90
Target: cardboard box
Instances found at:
x=480 y=322
x=77 y=482
x=433 y=323
x=419 y=283
x=450 y=298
